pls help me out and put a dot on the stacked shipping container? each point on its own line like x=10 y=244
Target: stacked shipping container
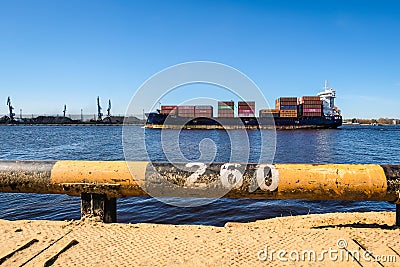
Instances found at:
x=287 y=106
x=203 y=111
x=186 y=111
x=310 y=106
x=246 y=109
x=226 y=109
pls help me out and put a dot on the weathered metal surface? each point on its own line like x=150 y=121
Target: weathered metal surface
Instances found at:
x=279 y=181
x=76 y=189
x=233 y=180
x=333 y=181
x=113 y=178
x=26 y=176
x=392 y=173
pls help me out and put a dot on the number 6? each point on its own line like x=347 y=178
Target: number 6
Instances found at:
x=230 y=176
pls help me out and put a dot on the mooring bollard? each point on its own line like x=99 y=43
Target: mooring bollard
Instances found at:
x=99 y=183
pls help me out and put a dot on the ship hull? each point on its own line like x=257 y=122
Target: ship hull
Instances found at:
x=161 y=121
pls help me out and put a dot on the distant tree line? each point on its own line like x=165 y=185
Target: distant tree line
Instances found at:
x=385 y=121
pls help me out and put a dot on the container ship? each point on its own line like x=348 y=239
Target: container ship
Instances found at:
x=289 y=113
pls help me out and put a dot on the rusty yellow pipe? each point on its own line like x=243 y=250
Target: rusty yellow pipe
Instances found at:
x=332 y=181
x=232 y=180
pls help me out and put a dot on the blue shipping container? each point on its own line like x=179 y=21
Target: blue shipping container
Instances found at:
x=288 y=107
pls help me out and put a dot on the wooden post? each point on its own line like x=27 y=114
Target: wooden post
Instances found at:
x=98 y=206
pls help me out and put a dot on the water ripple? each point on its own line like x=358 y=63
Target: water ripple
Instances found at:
x=353 y=144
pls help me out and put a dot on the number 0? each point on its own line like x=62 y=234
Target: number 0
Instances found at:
x=266 y=173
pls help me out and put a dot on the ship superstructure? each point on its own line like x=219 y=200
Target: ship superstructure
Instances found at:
x=328 y=101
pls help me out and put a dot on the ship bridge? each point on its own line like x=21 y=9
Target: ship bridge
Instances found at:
x=328 y=101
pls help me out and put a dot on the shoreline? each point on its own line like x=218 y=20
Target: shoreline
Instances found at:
x=88 y=243
x=72 y=124
x=143 y=124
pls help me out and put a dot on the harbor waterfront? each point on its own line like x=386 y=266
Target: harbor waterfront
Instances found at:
x=223 y=232
x=104 y=143
x=199 y=133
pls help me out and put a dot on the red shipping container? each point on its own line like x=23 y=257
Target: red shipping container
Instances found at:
x=312 y=114
x=304 y=99
x=246 y=105
x=167 y=107
x=226 y=103
x=186 y=107
x=311 y=102
x=226 y=115
x=287 y=99
x=207 y=115
x=203 y=107
x=168 y=112
x=305 y=110
x=312 y=106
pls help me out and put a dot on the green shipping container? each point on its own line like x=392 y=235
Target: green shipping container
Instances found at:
x=225 y=107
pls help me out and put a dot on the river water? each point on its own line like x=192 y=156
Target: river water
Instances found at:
x=350 y=144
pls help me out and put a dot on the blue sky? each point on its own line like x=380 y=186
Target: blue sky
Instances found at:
x=68 y=52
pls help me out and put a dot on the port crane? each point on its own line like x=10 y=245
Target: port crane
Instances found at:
x=10 y=108
x=99 y=114
x=109 y=109
x=108 y=117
